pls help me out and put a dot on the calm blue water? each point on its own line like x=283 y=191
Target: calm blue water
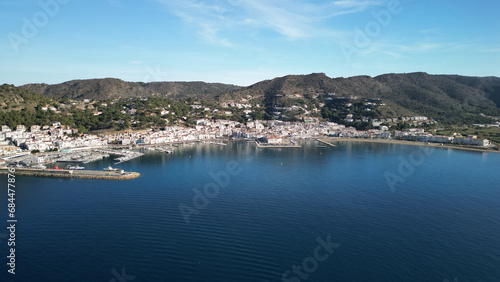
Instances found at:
x=441 y=223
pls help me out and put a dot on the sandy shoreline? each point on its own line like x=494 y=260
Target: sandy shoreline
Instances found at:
x=413 y=143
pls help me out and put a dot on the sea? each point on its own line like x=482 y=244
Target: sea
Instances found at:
x=236 y=213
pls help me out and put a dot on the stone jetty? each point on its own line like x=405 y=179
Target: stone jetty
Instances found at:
x=63 y=173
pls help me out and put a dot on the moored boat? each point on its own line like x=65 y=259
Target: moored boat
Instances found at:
x=39 y=166
x=109 y=168
x=77 y=167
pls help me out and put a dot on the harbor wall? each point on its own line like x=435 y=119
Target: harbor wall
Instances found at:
x=87 y=174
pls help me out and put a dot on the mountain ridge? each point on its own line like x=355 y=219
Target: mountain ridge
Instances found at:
x=417 y=93
x=110 y=88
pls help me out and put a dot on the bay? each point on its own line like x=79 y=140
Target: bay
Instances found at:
x=394 y=212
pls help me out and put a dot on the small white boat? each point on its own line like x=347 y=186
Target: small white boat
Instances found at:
x=109 y=168
x=77 y=167
x=40 y=166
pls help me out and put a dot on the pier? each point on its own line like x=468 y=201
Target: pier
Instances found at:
x=63 y=173
x=161 y=148
x=215 y=143
x=325 y=142
x=267 y=145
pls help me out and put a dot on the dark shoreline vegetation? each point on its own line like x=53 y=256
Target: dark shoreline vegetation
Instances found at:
x=455 y=103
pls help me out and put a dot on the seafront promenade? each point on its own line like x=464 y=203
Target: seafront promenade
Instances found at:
x=413 y=143
x=87 y=174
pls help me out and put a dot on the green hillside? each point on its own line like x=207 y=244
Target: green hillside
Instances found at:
x=112 y=88
x=448 y=99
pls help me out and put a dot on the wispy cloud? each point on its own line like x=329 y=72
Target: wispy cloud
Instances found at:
x=404 y=49
x=421 y=46
x=217 y=20
x=206 y=17
x=278 y=18
x=430 y=31
x=353 y=6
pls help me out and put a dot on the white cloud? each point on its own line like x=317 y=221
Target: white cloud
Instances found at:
x=217 y=20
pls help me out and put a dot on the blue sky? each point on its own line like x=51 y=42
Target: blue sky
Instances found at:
x=244 y=41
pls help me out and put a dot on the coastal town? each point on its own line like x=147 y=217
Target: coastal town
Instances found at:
x=39 y=143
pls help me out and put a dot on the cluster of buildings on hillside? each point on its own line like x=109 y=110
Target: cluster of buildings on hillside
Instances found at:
x=45 y=138
x=414 y=120
x=60 y=137
x=272 y=131
x=206 y=129
x=496 y=124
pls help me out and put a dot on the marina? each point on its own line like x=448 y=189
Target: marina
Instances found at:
x=128 y=156
x=125 y=155
x=80 y=157
x=162 y=149
x=74 y=159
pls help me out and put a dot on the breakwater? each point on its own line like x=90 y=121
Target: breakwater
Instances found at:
x=326 y=142
x=266 y=145
x=87 y=174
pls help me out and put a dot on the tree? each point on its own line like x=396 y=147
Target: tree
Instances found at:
x=82 y=129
